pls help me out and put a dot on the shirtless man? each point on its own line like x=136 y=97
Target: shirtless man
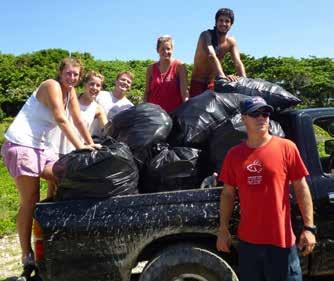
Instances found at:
x=211 y=48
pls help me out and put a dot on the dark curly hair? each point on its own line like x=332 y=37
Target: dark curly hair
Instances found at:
x=226 y=12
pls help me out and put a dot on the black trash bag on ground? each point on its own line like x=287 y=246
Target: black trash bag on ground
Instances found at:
x=109 y=171
x=139 y=127
x=229 y=134
x=194 y=121
x=274 y=94
x=174 y=168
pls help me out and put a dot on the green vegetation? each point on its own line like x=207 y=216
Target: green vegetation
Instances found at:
x=3 y=127
x=20 y=75
x=312 y=79
x=321 y=136
x=9 y=199
x=9 y=202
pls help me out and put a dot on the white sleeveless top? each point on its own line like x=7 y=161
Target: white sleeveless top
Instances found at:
x=61 y=144
x=88 y=113
x=111 y=106
x=33 y=126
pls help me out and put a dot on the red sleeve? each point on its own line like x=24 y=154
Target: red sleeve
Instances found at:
x=297 y=168
x=227 y=174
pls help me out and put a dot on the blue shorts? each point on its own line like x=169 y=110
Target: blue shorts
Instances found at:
x=267 y=262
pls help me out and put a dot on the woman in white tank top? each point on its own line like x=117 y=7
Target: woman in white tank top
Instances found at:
x=26 y=151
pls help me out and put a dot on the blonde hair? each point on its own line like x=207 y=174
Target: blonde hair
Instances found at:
x=90 y=74
x=70 y=61
x=129 y=73
x=164 y=38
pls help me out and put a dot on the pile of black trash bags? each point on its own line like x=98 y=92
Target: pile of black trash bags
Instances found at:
x=145 y=150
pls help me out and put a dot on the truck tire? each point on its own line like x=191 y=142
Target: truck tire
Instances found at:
x=187 y=263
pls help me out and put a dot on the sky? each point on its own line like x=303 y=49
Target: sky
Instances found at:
x=127 y=30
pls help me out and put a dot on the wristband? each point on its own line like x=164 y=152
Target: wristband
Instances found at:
x=312 y=229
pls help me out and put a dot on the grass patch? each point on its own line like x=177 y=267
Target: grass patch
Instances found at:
x=8 y=194
x=8 y=202
x=9 y=199
x=3 y=127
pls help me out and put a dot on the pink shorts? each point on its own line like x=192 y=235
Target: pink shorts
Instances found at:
x=26 y=161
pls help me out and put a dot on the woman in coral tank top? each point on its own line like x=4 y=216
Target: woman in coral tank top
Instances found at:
x=166 y=80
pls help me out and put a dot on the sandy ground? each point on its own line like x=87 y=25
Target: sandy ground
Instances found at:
x=10 y=266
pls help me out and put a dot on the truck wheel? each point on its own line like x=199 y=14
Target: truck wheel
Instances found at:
x=187 y=263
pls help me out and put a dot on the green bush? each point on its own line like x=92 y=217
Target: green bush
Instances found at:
x=321 y=135
x=3 y=127
x=9 y=201
x=309 y=78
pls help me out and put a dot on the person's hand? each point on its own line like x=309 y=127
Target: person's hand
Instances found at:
x=221 y=77
x=91 y=146
x=96 y=146
x=224 y=239
x=232 y=78
x=306 y=242
x=85 y=146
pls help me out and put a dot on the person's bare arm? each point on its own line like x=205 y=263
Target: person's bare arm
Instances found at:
x=51 y=96
x=303 y=196
x=148 y=81
x=182 y=72
x=235 y=56
x=227 y=198
x=101 y=116
x=206 y=42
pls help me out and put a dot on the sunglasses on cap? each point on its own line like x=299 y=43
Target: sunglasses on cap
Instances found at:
x=256 y=114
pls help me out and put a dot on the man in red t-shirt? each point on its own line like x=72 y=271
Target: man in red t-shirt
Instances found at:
x=261 y=169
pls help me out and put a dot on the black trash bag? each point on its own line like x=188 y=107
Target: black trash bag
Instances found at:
x=229 y=134
x=210 y=181
x=174 y=168
x=274 y=94
x=194 y=121
x=139 y=127
x=109 y=171
x=276 y=129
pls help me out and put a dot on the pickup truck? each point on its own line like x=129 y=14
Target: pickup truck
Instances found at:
x=174 y=233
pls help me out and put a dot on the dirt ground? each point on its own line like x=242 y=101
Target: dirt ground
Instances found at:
x=10 y=266
x=10 y=255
